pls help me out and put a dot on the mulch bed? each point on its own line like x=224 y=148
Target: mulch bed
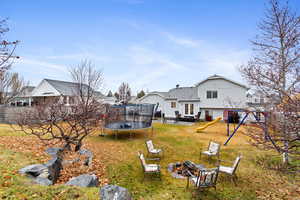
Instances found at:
x=36 y=148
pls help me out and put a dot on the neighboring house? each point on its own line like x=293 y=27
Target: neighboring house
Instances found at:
x=209 y=97
x=108 y=100
x=23 y=98
x=133 y=100
x=256 y=99
x=60 y=90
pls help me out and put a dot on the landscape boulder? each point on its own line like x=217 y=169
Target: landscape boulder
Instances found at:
x=84 y=180
x=53 y=151
x=43 y=181
x=38 y=172
x=33 y=170
x=54 y=166
x=115 y=192
x=88 y=154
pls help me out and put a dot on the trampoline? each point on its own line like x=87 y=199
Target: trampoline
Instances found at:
x=129 y=117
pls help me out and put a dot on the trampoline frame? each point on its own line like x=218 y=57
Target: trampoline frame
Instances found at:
x=117 y=130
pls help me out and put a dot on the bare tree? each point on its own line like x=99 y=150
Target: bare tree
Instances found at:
x=124 y=93
x=274 y=70
x=7 y=48
x=231 y=103
x=53 y=120
x=11 y=84
x=116 y=94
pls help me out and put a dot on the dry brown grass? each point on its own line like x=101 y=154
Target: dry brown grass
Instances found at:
x=121 y=166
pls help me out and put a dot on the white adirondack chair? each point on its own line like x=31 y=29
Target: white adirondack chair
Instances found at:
x=232 y=169
x=153 y=151
x=205 y=178
x=212 y=150
x=149 y=169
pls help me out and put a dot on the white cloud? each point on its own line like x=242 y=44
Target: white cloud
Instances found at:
x=181 y=41
x=223 y=61
x=79 y=56
x=145 y=56
x=44 y=64
x=153 y=63
x=207 y=58
x=147 y=67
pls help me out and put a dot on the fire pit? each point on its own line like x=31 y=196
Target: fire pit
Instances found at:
x=183 y=170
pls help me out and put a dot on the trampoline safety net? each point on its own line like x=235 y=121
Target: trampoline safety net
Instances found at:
x=130 y=116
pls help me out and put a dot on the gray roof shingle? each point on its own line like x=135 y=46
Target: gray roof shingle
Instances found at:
x=68 y=88
x=183 y=93
x=180 y=93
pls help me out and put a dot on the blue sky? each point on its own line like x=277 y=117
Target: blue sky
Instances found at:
x=151 y=44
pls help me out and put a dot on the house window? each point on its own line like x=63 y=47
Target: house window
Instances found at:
x=173 y=104
x=191 y=109
x=208 y=94
x=215 y=94
x=186 y=109
x=211 y=94
x=262 y=100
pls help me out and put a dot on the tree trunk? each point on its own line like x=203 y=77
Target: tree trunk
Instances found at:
x=67 y=147
x=78 y=146
x=286 y=141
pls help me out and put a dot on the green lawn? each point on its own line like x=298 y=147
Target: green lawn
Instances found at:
x=123 y=167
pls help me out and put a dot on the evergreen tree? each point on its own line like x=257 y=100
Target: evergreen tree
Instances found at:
x=141 y=94
x=109 y=94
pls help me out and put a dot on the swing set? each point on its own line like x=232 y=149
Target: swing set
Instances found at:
x=262 y=123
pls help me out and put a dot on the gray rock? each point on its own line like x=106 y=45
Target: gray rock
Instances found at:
x=89 y=155
x=33 y=170
x=43 y=181
x=84 y=180
x=53 y=151
x=44 y=174
x=114 y=192
x=38 y=172
x=54 y=166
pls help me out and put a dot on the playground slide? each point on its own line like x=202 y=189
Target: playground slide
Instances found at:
x=208 y=124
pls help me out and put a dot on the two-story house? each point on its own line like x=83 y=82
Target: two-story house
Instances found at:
x=209 y=98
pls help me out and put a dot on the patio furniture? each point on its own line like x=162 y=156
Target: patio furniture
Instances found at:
x=177 y=115
x=205 y=178
x=231 y=170
x=212 y=150
x=197 y=117
x=153 y=151
x=149 y=169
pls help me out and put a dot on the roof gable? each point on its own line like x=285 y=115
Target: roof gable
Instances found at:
x=49 y=87
x=216 y=77
x=63 y=87
x=45 y=89
x=161 y=94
